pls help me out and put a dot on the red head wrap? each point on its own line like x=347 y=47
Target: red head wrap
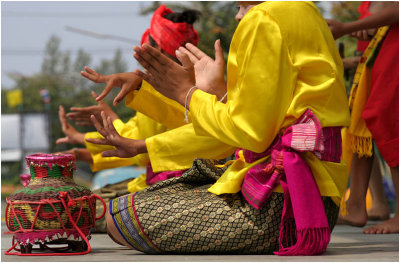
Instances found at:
x=168 y=35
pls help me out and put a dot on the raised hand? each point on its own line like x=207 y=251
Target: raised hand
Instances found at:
x=126 y=81
x=337 y=28
x=209 y=73
x=124 y=147
x=81 y=115
x=81 y=154
x=72 y=136
x=169 y=78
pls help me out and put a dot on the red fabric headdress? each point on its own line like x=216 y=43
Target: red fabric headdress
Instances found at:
x=168 y=35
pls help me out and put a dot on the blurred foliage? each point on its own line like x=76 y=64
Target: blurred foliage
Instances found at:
x=346 y=11
x=61 y=77
x=10 y=172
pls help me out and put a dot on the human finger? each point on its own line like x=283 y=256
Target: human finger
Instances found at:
x=157 y=56
x=62 y=140
x=146 y=76
x=111 y=153
x=184 y=59
x=146 y=60
x=110 y=126
x=219 y=53
x=106 y=90
x=195 y=51
x=84 y=123
x=90 y=71
x=98 y=141
x=91 y=75
x=192 y=57
x=99 y=78
x=83 y=109
x=105 y=122
x=365 y=35
x=94 y=94
x=61 y=116
x=98 y=126
x=76 y=115
x=120 y=96
x=88 y=76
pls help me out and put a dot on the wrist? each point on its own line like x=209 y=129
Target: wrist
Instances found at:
x=189 y=95
x=141 y=146
x=80 y=138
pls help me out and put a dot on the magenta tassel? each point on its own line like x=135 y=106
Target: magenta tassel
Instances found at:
x=309 y=242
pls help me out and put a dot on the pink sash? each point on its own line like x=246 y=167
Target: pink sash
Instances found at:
x=302 y=199
x=152 y=178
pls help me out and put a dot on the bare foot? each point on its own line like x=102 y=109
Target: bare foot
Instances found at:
x=378 y=212
x=356 y=216
x=390 y=226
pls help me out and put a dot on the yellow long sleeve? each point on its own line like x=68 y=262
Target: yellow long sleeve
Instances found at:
x=163 y=110
x=278 y=66
x=176 y=149
x=274 y=74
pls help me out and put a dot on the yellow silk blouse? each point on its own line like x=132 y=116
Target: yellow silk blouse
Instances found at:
x=282 y=60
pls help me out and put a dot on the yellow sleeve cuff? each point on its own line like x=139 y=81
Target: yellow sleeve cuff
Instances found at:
x=163 y=110
x=137 y=184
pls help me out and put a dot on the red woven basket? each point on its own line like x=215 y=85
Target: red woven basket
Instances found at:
x=52 y=210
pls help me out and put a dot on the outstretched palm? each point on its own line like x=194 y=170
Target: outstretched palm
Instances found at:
x=127 y=82
x=81 y=115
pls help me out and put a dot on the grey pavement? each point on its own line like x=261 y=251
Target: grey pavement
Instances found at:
x=347 y=244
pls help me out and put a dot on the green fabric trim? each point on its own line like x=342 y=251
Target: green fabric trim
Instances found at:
x=50 y=188
x=33 y=173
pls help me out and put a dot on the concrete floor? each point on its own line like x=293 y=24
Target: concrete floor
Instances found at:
x=347 y=244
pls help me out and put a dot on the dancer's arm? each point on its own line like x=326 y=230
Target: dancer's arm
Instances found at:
x=387 y=16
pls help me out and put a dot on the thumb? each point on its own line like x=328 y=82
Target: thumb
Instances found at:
x=110 y=153
x=62 y=140
x=219 y=53
x=184 y=59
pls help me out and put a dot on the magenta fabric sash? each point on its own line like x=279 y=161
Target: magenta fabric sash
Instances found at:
x=302 y=199
x=152 y=178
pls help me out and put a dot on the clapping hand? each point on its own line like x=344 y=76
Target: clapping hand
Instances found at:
x=72 y=136
x=126 y=81
x=81 y=115
x=169 y=78
x=209 y=73
x=124 y=147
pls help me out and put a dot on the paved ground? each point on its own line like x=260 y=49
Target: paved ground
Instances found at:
x=347 y=244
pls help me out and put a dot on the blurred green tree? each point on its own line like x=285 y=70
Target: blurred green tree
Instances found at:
x=65 y=85
x=345 y=11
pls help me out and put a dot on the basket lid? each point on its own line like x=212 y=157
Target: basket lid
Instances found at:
x=50 y=159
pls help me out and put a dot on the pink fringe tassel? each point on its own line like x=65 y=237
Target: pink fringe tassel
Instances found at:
x=309 y=242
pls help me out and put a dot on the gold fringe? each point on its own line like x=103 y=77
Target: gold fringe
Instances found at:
x=361 y=145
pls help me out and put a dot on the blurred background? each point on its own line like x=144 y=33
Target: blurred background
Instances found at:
x=45 y=45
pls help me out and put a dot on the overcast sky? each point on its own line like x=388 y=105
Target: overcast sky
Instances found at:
x=27 y=26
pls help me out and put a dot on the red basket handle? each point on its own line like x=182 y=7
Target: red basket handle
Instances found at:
x=104 y=205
